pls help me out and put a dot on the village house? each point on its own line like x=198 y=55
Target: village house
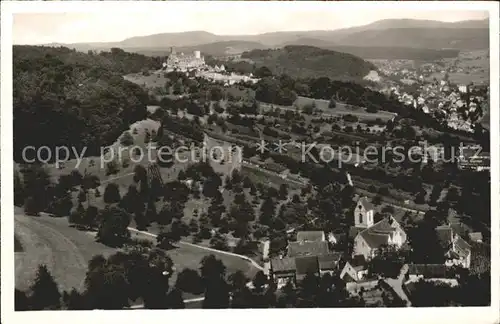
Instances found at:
x=310 y=236
x=309 y=254
x=354 y=270
x=294 y=269
x=476 y=237
x=470 y=159
x=458 y=251
x=421 y=271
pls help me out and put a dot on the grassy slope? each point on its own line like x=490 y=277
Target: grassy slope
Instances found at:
x=50 y=241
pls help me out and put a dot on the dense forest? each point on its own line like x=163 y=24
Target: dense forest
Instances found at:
x=65 y=97
x=309 y=61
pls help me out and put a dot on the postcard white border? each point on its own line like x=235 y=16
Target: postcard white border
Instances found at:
x=405 y=315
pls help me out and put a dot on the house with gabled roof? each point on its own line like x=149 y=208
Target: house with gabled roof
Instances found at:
x=386 y=232
x=294 y=269
x=301 y=248
x=309 y=254
x=458 y=251
x=354 y=270
x=476 y=237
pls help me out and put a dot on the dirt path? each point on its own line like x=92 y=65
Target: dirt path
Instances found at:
x=50 y=241
x=239 y=256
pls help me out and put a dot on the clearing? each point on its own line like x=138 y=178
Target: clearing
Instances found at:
x=65 y=251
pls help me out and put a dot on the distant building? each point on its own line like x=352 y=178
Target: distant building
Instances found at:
x=462 y=88
x=470 y=159
x=184 y=62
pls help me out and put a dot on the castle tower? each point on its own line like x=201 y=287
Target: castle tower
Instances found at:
x=172 y=51
x=197 y=54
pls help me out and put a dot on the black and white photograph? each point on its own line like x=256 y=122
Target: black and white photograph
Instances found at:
x=250 y=155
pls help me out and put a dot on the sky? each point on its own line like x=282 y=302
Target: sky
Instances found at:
x=112 y=23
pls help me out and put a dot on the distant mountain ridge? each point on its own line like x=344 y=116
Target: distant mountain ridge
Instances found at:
x=409 y=33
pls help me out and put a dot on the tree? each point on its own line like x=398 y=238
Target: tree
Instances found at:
x=36 y=185
x=435 y=194
x=425 y=243
x=420 y=197
x=151 y=213
x=18 y=190
x=77 y=216
x=140 y=220
x=386 y=263
x=82 y=196
x=21 y=301
x=132 y=202
x=170 y=210
x=452 y=196
x=259 y=280
x=111 y=168
x=111 y=193
x=242 y=296
x=74 y=300
x=167 y=238
x=45 y=293
x=283 y=192
x=212 y=272
x=61 y=206
x=332 y=103
x=106 y=285
x=193 y=226
x=175 y=300
x=189 y=281
x=113 y=226
x=267 y=211
x=219 y=242
x=127 y=139
x=90 y=217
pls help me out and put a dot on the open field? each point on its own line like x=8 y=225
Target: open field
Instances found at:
x=153 y=80
x=65 y=251
x=469 y=67
x=185 y=255
x=267 y=177
x=18 y=247
x=339 y=111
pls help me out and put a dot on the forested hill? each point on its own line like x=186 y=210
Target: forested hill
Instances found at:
x=308 y=61
x=64 y=97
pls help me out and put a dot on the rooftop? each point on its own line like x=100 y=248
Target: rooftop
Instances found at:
x=367 y=205
x=306 y=264
x=310 y=236
x=378 y=234
x=307 y=248
x=428 y=270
